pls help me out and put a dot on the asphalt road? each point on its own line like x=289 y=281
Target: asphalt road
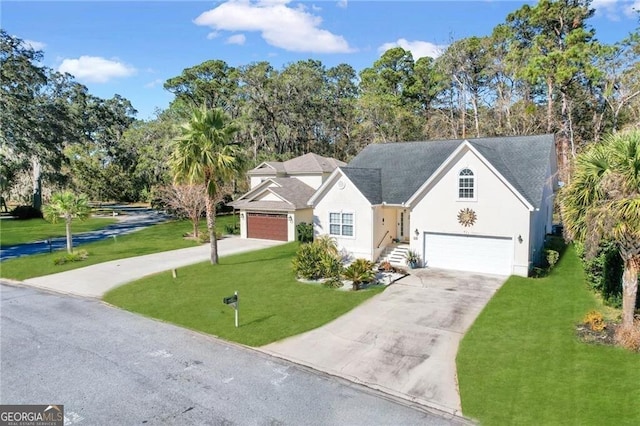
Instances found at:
x=108 y=366
x=135 y=220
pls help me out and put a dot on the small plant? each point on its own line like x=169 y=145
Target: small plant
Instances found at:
x=319 y=259
x=76 y=256
x=360 y=271
x=594 y=320
x=552 y=258
x=629 y=337
x=413 y=259
x=385 y=266
x=305 y=232
x=203 y=237
x=333 y=283
x=231 y=229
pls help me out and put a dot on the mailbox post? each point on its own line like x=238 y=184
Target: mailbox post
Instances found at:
x=233 y=301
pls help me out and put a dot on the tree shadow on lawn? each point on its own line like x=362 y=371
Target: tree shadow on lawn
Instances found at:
x=256 y=260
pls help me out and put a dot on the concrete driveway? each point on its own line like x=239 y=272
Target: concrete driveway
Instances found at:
x=403 y=341
x=96 y=280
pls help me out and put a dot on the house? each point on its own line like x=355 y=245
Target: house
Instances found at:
x=278 y=197
x=482 y=205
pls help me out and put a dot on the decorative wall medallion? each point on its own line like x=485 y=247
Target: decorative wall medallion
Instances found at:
x=341 y=184
x=467 y=217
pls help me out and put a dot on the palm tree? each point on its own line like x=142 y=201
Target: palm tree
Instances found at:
x=603 y=202
x=205 y=154
x=68 y=206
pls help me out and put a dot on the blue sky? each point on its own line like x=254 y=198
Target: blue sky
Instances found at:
x=132 y=47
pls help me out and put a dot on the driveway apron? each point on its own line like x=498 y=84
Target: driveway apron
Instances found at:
x=403 y=341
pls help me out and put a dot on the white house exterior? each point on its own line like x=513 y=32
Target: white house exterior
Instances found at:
x=278 y=199
x=482 y=205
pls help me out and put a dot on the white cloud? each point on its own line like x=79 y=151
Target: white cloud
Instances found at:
x=612 y=9
x=343 y=4
x=418 y=48
x=95 y=69
x=238 y=39
x=154 y=83
x=293 y=29
x=608 y=8
x=212 y=35
x=631 y=10
x=35 y=45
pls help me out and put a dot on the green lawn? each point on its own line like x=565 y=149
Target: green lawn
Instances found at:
x=24 y=231
x=161 y=237
x=273 y=305
x=521 y=362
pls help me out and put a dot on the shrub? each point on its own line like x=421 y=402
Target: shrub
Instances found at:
x=26 y=212
x=594 y=320
x=333 y=283
x=203 y=237
x=230 y=229
x=318 y=259
x=360 y=271
x=552 y=258
x=629 y=337
x=305 y=232
x=76 y=256
x=604 y=272
x=413 y=258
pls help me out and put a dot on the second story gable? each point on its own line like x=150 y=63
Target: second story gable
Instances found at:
x=312 y=169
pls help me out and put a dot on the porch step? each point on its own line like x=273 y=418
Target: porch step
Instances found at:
x=395 y=254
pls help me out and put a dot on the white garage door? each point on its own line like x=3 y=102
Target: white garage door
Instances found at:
x=491 y=255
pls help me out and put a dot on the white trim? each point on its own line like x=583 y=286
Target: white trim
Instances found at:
x=331 y=180
x=259 y=187
x=449 y=159
x=353 y=224
x=474 y=178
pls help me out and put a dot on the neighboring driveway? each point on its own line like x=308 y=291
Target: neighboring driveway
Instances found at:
x=403 y=341
x=96 y=280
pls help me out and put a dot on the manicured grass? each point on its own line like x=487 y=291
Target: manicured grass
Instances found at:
x=273 y=305
x=14 y=231
x=157 y=238
x=521 y=362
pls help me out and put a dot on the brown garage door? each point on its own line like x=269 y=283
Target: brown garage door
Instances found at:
x=267 y=226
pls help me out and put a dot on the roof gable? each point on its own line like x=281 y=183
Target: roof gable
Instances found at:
x=308 y=163
x=405 y=167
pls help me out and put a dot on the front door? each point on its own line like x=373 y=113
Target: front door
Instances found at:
x=403 y=225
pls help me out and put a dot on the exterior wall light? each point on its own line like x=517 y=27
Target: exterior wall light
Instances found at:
x=416 y=232
x=520 y=239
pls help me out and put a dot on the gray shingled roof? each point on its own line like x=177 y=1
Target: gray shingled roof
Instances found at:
x=405 y=166
x=307 y=163
x=295 y=192
x=367 y=181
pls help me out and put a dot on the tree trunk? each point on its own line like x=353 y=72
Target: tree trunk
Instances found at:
x=211 y=227
x=629 y=291
x=67 y=224
x=37 y=182
x=549 y=106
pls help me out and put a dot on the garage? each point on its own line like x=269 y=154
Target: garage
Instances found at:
x=486 y=254
x=267 y=226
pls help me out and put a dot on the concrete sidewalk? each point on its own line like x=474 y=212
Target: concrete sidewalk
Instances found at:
x=96 y=280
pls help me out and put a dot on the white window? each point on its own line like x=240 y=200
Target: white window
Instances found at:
x=466 y=184
x=341 y=224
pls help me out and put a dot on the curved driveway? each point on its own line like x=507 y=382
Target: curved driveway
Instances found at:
x=403 y=341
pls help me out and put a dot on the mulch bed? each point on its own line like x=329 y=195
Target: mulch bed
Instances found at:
x=604 y=337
